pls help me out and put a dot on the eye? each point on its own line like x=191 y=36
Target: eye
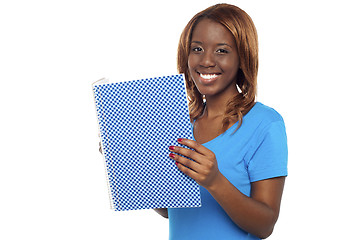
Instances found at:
x=197 y=49
x=221 y=50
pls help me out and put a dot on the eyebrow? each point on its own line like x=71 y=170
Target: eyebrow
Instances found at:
x=219 y=44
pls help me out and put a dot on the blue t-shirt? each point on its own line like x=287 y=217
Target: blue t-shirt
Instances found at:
x=256 y=151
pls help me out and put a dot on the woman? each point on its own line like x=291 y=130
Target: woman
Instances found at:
x=239 y=155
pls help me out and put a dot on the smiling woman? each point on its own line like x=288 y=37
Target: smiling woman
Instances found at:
x=239 y=152
x=213 y=61
x=236 y=37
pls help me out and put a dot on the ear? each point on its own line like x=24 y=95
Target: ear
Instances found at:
x=240 y=77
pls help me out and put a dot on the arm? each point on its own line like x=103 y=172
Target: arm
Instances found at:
x=256 y=214
x=162 y=211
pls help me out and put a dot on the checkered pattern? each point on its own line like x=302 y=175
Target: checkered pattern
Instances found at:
x=138 y=121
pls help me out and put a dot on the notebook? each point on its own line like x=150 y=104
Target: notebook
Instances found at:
x=138 y=121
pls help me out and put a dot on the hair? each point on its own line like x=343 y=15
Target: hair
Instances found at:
x=241 y=26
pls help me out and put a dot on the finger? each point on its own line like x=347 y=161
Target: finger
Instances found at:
x=187 y=153
x=194 y=166
x=195 y=145
x=187 y=171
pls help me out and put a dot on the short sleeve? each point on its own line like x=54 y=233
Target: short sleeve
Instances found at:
x=270 y=155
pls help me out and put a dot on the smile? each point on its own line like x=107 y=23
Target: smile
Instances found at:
x=208 y=76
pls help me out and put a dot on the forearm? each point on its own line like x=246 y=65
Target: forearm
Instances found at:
x=256 y=214
x=249 y=214
x=162 y=211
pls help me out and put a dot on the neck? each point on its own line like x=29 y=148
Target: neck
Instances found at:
x=216 y=106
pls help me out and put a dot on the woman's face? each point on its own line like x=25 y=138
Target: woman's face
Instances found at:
x=213 y=60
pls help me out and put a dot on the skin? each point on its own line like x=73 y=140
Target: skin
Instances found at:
x=213 y=50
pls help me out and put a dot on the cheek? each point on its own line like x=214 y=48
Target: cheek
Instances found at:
x=191 y=62
x=231 y=65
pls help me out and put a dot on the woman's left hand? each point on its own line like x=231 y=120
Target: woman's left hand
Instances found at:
x=203 y=169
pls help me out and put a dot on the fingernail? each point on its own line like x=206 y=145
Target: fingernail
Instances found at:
x=171 y=155
x=176 y=163
x=171 y=148
x=180 y=139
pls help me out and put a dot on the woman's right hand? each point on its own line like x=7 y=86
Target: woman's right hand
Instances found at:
x=100 y=144
x=100 y=148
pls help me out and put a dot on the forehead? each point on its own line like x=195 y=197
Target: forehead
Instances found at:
x=209 y=31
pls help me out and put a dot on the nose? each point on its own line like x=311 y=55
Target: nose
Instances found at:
x=207 y=60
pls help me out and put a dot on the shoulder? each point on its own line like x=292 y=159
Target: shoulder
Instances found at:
x=261 y=116
x=268 y=143
x=265 y=113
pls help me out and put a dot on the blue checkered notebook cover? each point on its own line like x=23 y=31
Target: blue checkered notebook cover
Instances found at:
x=138 y=121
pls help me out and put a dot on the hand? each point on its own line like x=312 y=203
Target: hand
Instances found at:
x=203 y=169
x=100 y=148
x=100 y=145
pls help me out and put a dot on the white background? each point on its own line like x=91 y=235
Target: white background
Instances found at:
x=52 y=176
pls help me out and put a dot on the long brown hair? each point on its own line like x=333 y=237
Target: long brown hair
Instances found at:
x=244 y=32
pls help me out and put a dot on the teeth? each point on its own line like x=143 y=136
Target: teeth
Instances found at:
x=208 y=76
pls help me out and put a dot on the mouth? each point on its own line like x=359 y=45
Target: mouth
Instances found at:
x=208 y=77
